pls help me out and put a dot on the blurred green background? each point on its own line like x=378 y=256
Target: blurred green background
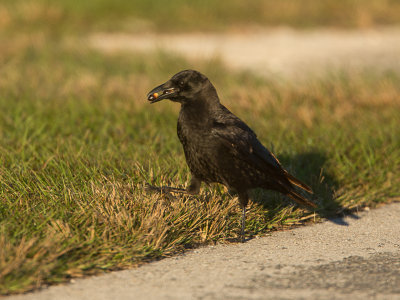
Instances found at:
x=205 y=15
x=78 y=139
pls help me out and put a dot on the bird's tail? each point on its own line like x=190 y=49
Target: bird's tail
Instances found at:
x=296 y=196
x=298 y=183
x=300 y=199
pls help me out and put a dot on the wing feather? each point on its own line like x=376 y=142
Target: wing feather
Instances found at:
x=243 y=142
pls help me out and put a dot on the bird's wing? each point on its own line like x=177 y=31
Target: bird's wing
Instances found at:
x=235 y=135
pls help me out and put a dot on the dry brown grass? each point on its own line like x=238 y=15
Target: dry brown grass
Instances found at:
x=78 y=141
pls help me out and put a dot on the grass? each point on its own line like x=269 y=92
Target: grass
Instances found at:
x=78 y=141
x=179 y=15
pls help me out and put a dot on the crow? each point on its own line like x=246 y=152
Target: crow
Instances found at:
x=221 y=148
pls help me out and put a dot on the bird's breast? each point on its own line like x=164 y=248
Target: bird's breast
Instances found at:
x=199 y=151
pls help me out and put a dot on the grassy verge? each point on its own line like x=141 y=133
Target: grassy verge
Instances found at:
x=179 y=15
x=78 y=141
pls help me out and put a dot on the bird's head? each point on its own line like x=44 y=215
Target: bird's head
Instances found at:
x=183 y=87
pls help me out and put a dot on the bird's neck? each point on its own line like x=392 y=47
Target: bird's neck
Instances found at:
x=200 y=111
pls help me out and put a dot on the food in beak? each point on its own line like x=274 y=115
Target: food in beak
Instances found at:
x=160 y=95
x=153 y=96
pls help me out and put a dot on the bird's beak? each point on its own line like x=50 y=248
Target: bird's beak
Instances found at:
x=161 y=92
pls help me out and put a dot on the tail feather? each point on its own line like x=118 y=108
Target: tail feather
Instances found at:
x=298 y=183
x=300 y=199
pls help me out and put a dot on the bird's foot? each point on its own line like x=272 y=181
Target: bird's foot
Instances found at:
x=159 y=190
x=166 y=190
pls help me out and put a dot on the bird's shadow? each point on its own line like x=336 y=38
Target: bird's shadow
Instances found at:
x=309 y=168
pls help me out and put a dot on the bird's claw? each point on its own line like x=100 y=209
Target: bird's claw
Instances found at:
x=159 y=190
x=164 y=189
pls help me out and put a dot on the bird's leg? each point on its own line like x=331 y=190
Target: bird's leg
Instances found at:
x=192 y=189
x=243 y=200
x=194 y=186
x=243 y=224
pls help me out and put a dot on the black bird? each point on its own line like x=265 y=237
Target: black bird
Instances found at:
x=221 y=148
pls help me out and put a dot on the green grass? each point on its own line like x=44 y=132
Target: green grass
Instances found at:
x=179 y=15
x=78 y=141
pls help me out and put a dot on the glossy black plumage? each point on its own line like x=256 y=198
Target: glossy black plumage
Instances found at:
x=218 y=146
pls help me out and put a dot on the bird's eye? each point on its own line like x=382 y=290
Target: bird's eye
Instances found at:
x=181 y=83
